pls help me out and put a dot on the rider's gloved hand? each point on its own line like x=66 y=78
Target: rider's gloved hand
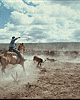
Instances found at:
x=19 y=37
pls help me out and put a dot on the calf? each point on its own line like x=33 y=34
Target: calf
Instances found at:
x=37 y=59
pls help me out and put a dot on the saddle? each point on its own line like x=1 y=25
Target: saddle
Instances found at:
x=10 y=53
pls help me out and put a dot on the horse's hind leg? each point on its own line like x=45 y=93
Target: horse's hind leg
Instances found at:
x=3 y=69
x=23 y=66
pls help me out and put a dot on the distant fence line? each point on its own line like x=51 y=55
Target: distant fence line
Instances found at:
x=47 y=46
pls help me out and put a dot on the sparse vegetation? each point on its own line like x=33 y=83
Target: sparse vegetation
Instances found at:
x=53 y=80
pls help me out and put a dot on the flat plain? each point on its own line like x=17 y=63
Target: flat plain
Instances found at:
x=58 y=79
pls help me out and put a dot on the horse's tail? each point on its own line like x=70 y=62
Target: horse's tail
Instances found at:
x=0 y=57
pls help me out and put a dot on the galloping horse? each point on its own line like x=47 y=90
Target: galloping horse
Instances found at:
x=11 y=57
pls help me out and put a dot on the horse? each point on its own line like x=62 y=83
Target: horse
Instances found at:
x=11 y=57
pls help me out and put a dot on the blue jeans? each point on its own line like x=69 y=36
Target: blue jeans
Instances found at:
x=16 y=51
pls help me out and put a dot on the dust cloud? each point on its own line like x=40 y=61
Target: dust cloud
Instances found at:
x=16 y=73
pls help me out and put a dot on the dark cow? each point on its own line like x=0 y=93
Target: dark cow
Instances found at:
x=52 y=60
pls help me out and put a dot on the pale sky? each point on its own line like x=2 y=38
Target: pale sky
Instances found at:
x=44 y=21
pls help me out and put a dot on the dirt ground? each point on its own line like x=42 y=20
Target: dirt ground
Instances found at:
x=53 y=80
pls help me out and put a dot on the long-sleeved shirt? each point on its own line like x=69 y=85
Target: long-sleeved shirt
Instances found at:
x=12 y=43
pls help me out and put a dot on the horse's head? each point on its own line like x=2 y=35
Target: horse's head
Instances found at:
x=21 y=47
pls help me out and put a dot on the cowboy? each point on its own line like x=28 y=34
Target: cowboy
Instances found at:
x=12 y=45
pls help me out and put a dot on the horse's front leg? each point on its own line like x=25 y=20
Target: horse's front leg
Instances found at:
x=22 y=63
